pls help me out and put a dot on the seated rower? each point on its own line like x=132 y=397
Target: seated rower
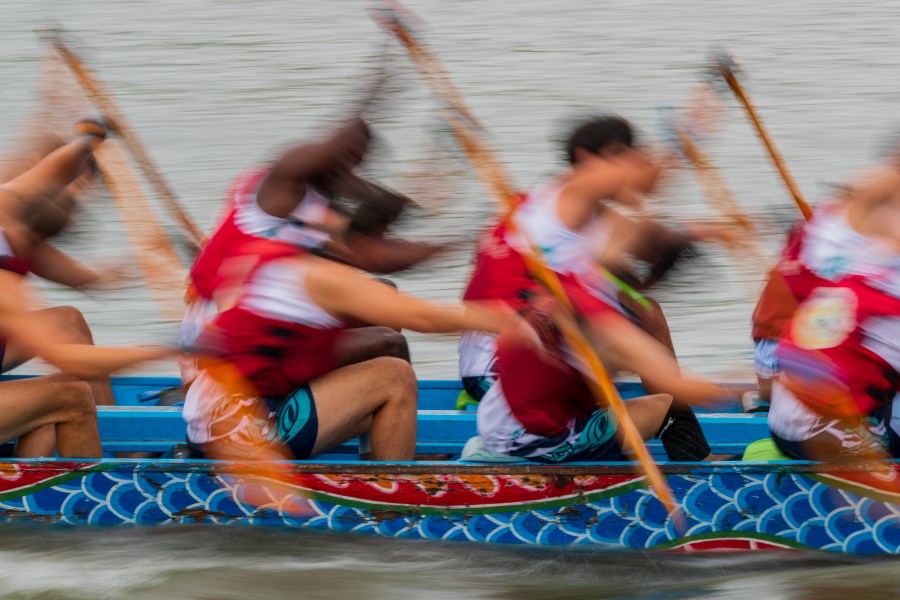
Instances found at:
x=837 y=242
x=838 y=358
x=35 y=206
x=500 y=273
x=540 y=408
x=277 y=385
x=292 y=201
x=54 y=414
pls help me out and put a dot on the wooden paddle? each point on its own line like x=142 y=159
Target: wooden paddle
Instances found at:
x=157 y=259
x=101 y=97
x=489 y=169
x=727 y=67
x=720 y=196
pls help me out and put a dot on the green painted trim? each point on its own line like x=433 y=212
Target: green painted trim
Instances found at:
x=419 y=509
x=859 y=490
x=52 y=481
x=732 y=535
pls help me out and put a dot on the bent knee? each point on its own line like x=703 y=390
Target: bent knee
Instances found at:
x=397 y=373
x=390 y=343
x=73 y=320
x=76 y=398
x=660 y=402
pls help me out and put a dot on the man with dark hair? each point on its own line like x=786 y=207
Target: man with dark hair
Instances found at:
x=540 y=408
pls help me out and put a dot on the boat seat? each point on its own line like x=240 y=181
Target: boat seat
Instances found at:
x=157 y=429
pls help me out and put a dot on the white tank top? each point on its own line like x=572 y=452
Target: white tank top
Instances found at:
x=313 y=209
x=276 y=292
x=832 y=249
x=564 y=249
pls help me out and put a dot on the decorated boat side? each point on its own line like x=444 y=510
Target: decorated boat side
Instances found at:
x=724 y=505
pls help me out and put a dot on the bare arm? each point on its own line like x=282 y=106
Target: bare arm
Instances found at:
x=597 y=179
x=287 y=181
x=344 y=292
x=624 y=346
x=54 y=265
x=40 y=338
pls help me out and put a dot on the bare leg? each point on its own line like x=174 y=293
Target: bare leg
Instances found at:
x=378 y=396
x=40 y=442
x=31 y=404
x=70 y=320
x=365 y=343
x=647 y=414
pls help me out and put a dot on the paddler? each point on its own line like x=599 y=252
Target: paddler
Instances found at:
x=56 y=413
x=541 y=409
x=277 y=381
x=54 y=181
x=839 y=353
x=294 y=200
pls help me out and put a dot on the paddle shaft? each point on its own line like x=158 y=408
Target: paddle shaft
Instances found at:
x=132 y=142
x=774 y=154
x=153 y=251
x=723 y=199
x=489 y=170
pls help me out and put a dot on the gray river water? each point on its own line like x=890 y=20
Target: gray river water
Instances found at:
x=215 y=85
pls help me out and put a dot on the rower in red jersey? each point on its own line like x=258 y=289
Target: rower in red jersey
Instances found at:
x=299 y=398
x=839 y=241
x=540 y=408
x=839 y=358
x=292 y=201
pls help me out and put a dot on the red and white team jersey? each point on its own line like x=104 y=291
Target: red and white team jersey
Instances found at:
x=276 y=337
x=841 y=357
x=826 y=249
x=221 y=269
x=499 y=273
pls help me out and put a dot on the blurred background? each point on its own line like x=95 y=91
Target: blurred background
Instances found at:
x=214 y=86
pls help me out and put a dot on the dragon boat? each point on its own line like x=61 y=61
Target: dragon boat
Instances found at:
x=724 y=505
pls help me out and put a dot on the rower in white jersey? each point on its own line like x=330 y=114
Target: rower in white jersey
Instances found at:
x=540 y=408
x=568 y=220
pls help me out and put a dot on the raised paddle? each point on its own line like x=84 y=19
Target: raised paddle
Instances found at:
x=157 y=259
x=727 y=67
x=489 y=169
x=101 y=97
x=716 y=190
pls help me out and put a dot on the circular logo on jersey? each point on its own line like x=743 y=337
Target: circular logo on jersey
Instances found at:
x=825 y=319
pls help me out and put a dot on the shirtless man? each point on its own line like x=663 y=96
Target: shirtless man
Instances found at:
x=541 y=408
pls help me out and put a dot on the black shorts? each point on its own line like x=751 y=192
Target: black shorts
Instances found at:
x=295 y=422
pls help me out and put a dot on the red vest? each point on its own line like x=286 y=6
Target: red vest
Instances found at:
x=227 y=242
x=790 y=282
x=500 y=272
x=276 y=357
x=825 y=359
x=542 y=390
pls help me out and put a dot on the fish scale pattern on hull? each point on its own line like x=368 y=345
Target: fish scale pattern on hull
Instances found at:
x=725 y=507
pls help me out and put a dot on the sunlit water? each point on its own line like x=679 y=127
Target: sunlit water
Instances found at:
x=213 y=86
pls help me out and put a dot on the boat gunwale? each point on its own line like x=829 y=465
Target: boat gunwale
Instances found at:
x=598 y=469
